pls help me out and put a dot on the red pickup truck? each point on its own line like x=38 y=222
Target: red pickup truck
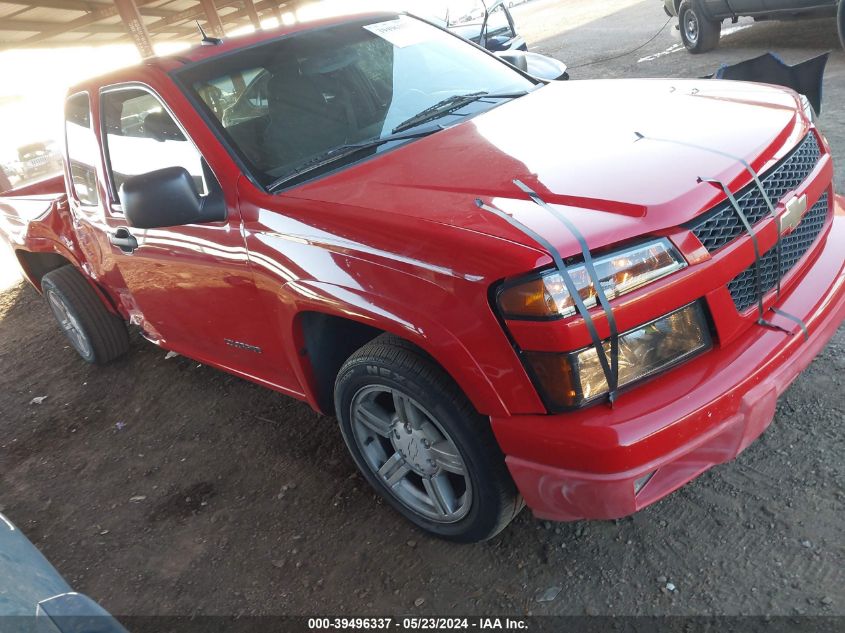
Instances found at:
x=508 y=291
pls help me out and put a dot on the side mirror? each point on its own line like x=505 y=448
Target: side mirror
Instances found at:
x=515 y=58
x=169 y=197
x=536 y=65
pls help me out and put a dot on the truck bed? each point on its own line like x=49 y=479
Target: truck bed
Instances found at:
x=31 y=202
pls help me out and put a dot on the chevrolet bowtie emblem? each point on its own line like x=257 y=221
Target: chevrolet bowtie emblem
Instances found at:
x=795 y=210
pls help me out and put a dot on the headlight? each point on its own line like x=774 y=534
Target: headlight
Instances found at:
x=546 y=297
x=575 y=379
x=808 y=108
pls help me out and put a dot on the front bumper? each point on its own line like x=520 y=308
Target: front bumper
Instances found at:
x=584 y=465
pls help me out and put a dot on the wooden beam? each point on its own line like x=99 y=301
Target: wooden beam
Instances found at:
x=213 y=18
x=107 y=11
x=276 y=13
x=84 y=6
x=187 y=14
x=165 y=26
x=14 y=14
x=157 y=12
x=249 y=7
x=267 y=5
x=69 y=5
x=29 y=26
x=134 y=24
x=37 y=27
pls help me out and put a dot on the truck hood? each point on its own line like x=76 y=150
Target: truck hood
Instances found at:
x=622 y=158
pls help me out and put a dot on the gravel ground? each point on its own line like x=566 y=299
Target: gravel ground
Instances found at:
x=163 y=487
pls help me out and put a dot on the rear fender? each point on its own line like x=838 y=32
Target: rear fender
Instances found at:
x=35 y=226
x=34 y=268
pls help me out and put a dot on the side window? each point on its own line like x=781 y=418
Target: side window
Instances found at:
x=141 y=137
x=258 y=95
x=82 y=150
x=498 y=23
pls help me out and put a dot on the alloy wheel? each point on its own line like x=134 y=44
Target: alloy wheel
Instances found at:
x=408 y=450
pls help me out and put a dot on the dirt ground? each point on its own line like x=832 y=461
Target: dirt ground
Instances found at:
x=160 y=486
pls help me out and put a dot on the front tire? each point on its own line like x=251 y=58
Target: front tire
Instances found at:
x=698 y=32
x=95 y=333
x=418 y=441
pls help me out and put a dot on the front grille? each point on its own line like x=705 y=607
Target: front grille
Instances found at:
x=793 y=247
x=722 y=225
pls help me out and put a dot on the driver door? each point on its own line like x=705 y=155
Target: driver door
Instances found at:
x=189 y=288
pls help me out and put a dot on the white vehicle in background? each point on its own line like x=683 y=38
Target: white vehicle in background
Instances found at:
x=487 y=23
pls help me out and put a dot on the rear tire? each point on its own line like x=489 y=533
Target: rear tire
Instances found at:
x=419 y=442
x=96 y=334
x=698 y=32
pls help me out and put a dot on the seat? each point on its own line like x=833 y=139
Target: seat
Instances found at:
x=161 y=127
x=306 y=117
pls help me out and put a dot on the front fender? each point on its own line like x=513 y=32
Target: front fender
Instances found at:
x=499 y=390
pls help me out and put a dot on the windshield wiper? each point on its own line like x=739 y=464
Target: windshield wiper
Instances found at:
x=344 y=151
x=450 y=104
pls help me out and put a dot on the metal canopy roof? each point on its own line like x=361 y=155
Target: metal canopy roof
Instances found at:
x=47 y=23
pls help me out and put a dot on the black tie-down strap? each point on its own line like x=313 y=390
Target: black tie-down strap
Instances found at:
x=757 y=262
x=761 y=312
x=610 y=367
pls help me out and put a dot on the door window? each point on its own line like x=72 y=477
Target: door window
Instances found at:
x=82 y=150
x=498 y=23
x=141 y=136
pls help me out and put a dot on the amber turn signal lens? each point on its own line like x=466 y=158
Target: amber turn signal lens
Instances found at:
x=530 y=299
x=553 y=372
x=547 y=296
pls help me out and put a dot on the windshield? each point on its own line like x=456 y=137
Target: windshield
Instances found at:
x=285 y=104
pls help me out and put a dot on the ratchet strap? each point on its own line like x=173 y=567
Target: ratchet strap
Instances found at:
x=761 y=312
x=610 y=368
x=613 y=378
x=747 y=225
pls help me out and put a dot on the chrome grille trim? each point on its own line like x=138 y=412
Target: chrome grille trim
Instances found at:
x=793 y=247
x=721 y=225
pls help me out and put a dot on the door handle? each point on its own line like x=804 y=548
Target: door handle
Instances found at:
x=124 y=240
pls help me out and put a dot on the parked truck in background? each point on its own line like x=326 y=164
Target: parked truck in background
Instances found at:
x=700 y=21
x=38 y=161
x=508 y=291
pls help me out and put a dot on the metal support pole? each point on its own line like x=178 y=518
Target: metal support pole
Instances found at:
x=134 y=25
x=215 y=24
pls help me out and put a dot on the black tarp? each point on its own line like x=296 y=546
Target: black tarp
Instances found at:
x=805 y=78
